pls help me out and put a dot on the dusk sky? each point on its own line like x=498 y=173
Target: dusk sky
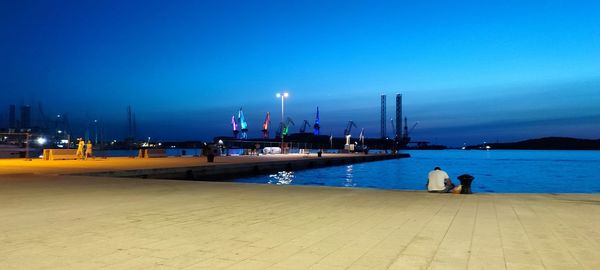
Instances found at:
x=469 y=71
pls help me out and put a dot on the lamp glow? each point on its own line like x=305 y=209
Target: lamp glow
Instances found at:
x=41 y=140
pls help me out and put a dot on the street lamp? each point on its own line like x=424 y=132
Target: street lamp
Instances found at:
x=282 y=96
x=96 y=132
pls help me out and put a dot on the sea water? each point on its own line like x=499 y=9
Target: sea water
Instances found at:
x=505 y=171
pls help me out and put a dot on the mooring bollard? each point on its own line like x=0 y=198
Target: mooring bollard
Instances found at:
x=465 y=181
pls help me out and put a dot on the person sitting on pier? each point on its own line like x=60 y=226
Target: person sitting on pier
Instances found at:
x=439 y=181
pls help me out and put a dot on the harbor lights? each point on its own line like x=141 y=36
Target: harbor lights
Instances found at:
x=41 y=140
x=282 y=96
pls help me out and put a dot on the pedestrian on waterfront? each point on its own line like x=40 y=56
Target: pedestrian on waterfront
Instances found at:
x=88 y=149
x=79 y=153
x=439 y=181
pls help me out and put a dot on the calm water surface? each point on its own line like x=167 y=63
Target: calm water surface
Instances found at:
x=494 y=171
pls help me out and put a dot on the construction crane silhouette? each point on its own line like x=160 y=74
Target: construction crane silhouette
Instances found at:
x=243 y=124
x=406 y=135
x=349 y=127
x=317 y=126
x=283 y=131
x=234 y=126
x=412 y=128
x=303 y=128
x=265 y=126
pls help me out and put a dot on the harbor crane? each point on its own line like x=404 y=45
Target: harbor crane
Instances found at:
x=234 y=126
x=361 y=137
x=349 y=128
x=243 y=124
x=265 y=126
x=303 y=128
x=286 y=126
x=317 y=126
x=407 y=131
x=413 y=127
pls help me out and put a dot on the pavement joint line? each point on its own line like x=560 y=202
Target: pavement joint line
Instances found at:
x=407 y=219
x=569 y=249
x=527 y=234
x=416 y=235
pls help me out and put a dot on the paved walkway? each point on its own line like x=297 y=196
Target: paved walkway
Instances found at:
x=76 y=222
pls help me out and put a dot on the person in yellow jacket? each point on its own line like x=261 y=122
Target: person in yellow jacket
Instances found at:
x=79 y=153
x=88 y=149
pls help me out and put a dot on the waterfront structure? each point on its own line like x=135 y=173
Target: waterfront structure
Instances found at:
x=398 y=131
x=383 y=116
x=243 y=125
x=12 y=121
x=25 y=117
x=234 y=126
x=265 y=126
x=317 y=126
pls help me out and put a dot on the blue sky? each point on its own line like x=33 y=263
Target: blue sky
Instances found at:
x=470 y=71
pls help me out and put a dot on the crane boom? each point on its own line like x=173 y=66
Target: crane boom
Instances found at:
x=303 y=128
x=243 y=124
x=286 y=128
x=349 y=127
x=234 y=126
x=265 y=126
x=406 y=135
x=413 y=127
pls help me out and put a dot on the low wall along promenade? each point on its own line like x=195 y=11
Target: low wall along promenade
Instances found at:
x=247 y=165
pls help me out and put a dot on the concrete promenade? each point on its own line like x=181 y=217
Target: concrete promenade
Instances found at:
x=122 y=164
x=54 y=221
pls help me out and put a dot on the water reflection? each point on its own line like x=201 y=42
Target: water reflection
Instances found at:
x=349 y=176
x=281 y=178
x=494 y=171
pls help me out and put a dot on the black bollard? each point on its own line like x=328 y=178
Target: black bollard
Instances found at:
x=465 y=181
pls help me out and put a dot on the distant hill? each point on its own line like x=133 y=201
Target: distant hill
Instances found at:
x=548 y=143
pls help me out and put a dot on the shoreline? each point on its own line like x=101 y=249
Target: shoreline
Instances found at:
x=187 y=168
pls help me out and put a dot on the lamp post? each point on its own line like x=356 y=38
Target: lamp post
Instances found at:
x=96 y=132
x=282 y=96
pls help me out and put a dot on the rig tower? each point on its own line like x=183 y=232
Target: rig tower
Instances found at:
x=12 y=119
x=25 y=117
x=383 y=116
x=398 y=131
